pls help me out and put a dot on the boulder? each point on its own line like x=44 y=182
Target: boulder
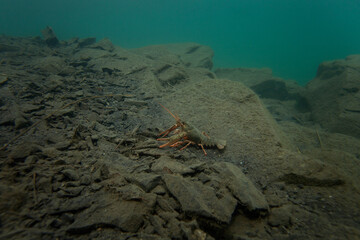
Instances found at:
x=241 y=187
x=334 y=95
x=127 y=216
x=147 y=181
x=285 y=99
x=166 y=164
x=50 y=37
x=86 y=41
x=104 y=44
x=248 y=76
x=197 y=199
x=71 y=174
x=280 y=216
x=230 y=111
x=49 y=64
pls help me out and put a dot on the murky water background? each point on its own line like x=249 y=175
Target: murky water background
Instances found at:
x=290 y=37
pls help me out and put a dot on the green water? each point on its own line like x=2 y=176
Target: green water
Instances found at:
x=289 y=36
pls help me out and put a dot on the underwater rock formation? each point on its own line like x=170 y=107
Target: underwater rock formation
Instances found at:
x=285 y=99
x=334 y=95
x=50 y=37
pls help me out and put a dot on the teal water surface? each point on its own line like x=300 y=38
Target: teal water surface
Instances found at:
x=289 y=36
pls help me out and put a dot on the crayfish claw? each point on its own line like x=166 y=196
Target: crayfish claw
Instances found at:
x=221 y=144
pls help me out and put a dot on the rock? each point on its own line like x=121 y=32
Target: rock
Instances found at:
x=128 y=216
x=319 y=180
x=7 y=118
x=101 y=173
x=86 y=41
x=50 y=152
x=131 y=192
x=30 y=108
x=158 y=53
x=21 y=122
x=164 y=204
x=50 y=37
x=55 y=83
x=31 y=160
x=146 y=181
x=241 y=187
x=165 y=163
x=69 y=192
x=190 y=230
x=85 y=180
x=334 y=95
x=193 y=54
x=274 y=89
x=251 y=133
x=14 y=117
x=71 y=174
x=284 y=98
x=248 y=76
x=160 y=190
x=174 y=228
x=170 y=75
x=95 y=187
x=56 y=223
x=67 y=217
x=63 y=145
x=158 y=224
x=104 y=44
x=24 y=150
x=50 y=65
x=71 y=205
x=197 y=199
x=280 y=216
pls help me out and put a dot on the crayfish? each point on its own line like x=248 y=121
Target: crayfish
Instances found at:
x=184 y=133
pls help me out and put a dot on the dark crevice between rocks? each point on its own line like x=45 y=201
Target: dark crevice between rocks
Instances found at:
x=218 y=229
x=192 y=49
x=89 y=228
x=275 y=89
x=162 y=69
x=302 y=105
x=352 y=110
x=351 y=90
x=213 y=228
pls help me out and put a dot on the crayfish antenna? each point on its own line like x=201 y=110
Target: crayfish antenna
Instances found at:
x=174 y=116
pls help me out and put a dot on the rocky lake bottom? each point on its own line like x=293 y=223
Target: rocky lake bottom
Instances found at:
x=80 y=158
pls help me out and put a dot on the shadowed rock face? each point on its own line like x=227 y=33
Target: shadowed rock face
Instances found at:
x=334 y=95
x=50 y=37
x=242 y=188
x=283 y=98
x=197 y=199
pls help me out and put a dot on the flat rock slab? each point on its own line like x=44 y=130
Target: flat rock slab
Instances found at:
x=197 y=199
x=147 y=181
x=127 y=216
x=168 y=164
x=241 y=187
